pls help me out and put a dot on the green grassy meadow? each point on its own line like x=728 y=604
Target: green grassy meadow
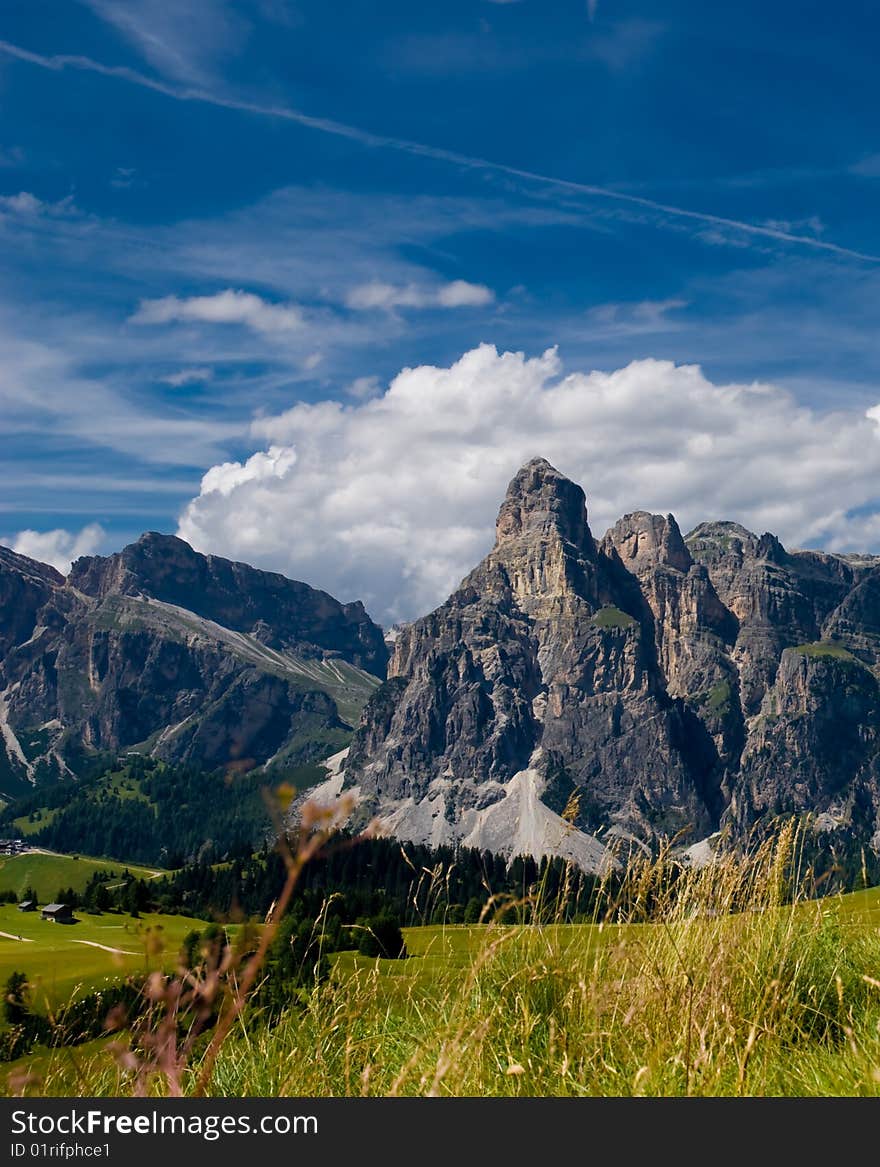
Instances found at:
x=730 y=990
x=46 y=872
x=62 y=959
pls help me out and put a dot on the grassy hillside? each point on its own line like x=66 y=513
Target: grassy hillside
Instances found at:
x=61 y=959
x=731 y=990
x=46 y=872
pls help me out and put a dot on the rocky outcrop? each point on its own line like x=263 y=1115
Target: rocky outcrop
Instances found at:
x=543 y=660
x=693 y=631
x=813 y=748
x=25 y=588
x=570 y=696
x=649 y=685
x=279 y=612
x=779 y=599
x=183 y=656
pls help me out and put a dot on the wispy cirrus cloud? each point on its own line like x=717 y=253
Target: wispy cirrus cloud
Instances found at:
x=182 y=39
x=186 y=377
x=701 y=220
x=618 y=45
x=11 y=156
x=867 y=167
x=45 y=395
x=629 y=319
x=456 y=294
x=27 y=205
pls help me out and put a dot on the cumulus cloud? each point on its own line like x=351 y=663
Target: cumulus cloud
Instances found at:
x=274 y=465
x=363 y=387
x=393 y=499
x=456 y=294
x=59 y=547
x=231 y=306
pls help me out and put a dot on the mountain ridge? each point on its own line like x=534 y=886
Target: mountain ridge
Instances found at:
x=572 y=694
x=182 y=656
x=649 y=676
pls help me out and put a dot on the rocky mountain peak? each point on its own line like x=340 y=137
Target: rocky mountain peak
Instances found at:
x=645 y=541
x=25 y=587
x=280 y=612
x=188 y=657
x=542 y=502
x=711 y=542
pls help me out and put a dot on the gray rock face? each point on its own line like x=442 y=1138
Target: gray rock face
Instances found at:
x=279 y=612
x=25 y=588
x=654 y=685
x=180 y=655
x=544 y=657
x=811 y=746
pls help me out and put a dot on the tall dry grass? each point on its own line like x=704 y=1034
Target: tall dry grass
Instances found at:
x=720 y=980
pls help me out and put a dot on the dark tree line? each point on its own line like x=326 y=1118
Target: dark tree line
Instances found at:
x=143 y=811
x=415 y=884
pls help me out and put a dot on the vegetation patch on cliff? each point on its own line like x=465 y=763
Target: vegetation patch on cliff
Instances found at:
x=825 y=648
x=611 y=617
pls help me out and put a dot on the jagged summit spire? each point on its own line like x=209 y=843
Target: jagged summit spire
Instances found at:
x=540 y=501
x=644 y=540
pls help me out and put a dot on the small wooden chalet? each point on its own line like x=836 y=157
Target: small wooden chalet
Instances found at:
x=58 y=913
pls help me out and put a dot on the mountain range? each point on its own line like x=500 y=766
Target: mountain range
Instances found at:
x=181 y=656
x=572 y=694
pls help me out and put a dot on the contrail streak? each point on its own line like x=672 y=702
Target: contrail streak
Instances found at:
x=59 y=62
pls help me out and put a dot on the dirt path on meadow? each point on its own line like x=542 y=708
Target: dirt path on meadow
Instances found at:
x=106 y=947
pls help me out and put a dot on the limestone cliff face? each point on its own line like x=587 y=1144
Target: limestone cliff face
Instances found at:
x=779 y=599
x=179 y=655
x=279 y=612
x=693 y=631
x=855 y=622
x=653 y=684
x=25 y=588
x=544 y=658
x=570 y=692
x=814 y=746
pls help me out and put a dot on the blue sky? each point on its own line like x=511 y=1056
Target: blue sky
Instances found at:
x=214 y=213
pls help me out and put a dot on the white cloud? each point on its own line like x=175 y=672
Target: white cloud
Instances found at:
x=45 y=396
x=23 y=203
x=628 y=319
x=59 y=547
x=393 y=499
x=275 y=464
x=28 y=205
x=363 y=387
x=228 y=307
x=188 y=377
x=457 y=294
x=184 y=39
